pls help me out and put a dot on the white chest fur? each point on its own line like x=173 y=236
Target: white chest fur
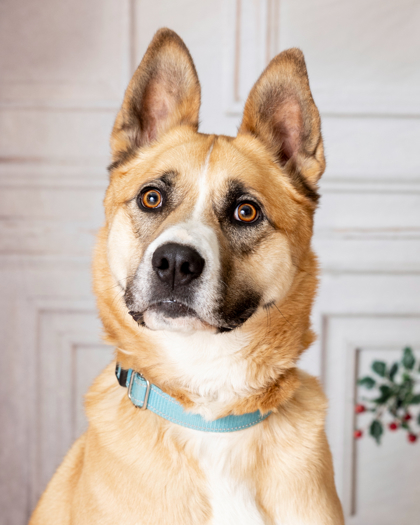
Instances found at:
x=232 y=499
x=210 y=366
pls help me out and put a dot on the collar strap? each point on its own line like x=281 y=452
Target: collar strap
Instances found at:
x=144 y=395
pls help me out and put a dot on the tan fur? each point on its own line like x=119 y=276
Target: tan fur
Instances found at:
x=132 y=466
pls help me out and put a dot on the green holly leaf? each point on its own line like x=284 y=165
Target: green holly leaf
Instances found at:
x=367 y=382
x=393 y=371
x=379 y=367
x=407 y=380
x=376 y=430
x=415 y=400
x=405 y=425
x=405 y=390
x=408 y=359
x=386 y=393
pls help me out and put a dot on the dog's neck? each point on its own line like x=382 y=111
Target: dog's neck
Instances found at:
x=215 y=375
x=205 y=371
x=208 y=366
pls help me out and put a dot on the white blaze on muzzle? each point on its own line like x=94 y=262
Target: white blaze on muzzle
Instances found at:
x=194 y=233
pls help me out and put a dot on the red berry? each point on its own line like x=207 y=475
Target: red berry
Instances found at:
x=407 y=417
x=358 y=434
x=412 y=438
x=359 y=409
x=393 y=426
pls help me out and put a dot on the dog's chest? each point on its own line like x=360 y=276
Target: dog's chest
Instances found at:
x=232 y=498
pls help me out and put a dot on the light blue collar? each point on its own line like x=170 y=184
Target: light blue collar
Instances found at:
x=147 y=396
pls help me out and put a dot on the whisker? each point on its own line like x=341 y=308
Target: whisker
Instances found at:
x=117 y=296
x=118 y=284
x=281 y=313
x=268 y=317
x=113 y=286
x=223 y=282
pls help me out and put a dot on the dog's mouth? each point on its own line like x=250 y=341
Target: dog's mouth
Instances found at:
x=169 y=308
x=173 y=309
x=170 y=314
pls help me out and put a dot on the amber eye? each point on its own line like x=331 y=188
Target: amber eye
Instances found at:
x=246 y=212
x=151 y=199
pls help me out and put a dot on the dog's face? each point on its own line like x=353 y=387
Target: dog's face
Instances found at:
x=204 y=231
x=204 y=234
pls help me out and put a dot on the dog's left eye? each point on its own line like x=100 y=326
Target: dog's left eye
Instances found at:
x=150 y=199
x=246 y=212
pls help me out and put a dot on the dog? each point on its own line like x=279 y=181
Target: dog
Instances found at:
x=205 y=279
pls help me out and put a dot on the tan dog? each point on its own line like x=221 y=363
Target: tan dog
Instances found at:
x=205 y=280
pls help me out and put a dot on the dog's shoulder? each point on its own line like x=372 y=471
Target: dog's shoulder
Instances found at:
x=304 y=414
x=297 y=454
x=310 y=394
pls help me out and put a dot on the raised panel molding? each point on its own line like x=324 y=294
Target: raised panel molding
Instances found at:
x=345 y=338
x=49 y=219
x=50 y=328
x=254 y=34
x=68 y=355
x=36 y=136
x=44 y=78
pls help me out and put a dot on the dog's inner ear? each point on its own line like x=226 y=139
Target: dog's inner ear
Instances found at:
x=158 y=103
x=287 y=130
x=280 y=111
x=164 y=92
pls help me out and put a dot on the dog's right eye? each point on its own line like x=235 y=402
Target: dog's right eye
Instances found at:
x=150 y=199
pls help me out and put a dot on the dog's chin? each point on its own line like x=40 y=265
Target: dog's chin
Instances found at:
x=174 y=317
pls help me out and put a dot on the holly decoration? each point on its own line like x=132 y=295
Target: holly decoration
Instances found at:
x=396 y=397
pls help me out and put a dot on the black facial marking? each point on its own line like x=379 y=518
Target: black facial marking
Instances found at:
x=243 y=237
x=224 y=329
x=299 y=182
x=269 y=305
x=235 y=311
x=138 y=317
x=163 y=183
x=296 y=178
x=168 y=178
x=122 y=158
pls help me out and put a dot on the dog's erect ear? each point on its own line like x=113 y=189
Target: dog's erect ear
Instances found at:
x=164 y=92
x=281 y=112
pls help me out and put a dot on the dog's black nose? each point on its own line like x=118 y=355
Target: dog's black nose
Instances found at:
x=177 y=264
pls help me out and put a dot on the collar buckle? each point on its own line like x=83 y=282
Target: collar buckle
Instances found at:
x=146 y=395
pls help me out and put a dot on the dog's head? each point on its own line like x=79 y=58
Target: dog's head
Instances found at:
x=206 y=232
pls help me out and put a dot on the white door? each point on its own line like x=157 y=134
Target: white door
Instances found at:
x=63 y=70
